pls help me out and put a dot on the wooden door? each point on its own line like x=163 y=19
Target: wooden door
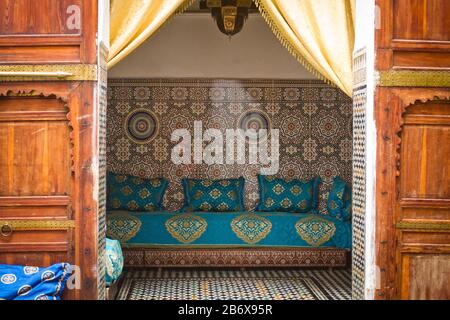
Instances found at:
x=423 y=202
x=412 y=114
x=49 y=137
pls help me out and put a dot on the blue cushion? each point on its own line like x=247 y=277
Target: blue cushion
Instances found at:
x=213 y=195
x=114 y=261
x=135 y=194
x=33 y=283
x=339 y=203
x=294 y=195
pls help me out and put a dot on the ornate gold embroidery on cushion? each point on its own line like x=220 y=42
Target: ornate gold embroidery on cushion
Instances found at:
x=315 y=230
x=122 y=226
x=198 y=194
x=334 y=205
x=223 y=207
x=126 y=191
x=155 y=183
x=121 y=178
x=137 y=181
x=150 y=207
x=296 y=190
x=251 y=227
x=215 y=193
x=303 y=204
x=224 y=183
x=115 y=203
x=286 y=203
x=186 y=227
x=206 y=183
x=232 y=195
x=144 y=193
x=205 y=206
x=278 y=189
x=132 y=205
x=269 y=202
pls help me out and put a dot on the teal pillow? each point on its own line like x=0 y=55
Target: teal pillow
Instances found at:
x=294 y=195
x=135 y=194
x=339 y=203
x=223 y=195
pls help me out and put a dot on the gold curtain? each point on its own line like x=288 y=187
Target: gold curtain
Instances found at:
x=132 y=22
x=319 y=33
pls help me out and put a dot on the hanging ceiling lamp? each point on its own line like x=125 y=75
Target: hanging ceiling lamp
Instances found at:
x=230 y=15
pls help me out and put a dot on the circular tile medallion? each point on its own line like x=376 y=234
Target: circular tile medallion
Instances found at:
x=256 y=120
x=141 y=126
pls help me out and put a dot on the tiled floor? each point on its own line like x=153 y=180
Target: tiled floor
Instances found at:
x=236 y=284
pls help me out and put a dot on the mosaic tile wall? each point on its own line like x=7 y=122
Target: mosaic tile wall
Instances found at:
x=359 y=174
x=102 y=97
x=314 y=119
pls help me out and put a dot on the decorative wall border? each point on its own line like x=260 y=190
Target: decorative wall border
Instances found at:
x=38 y=224
x=43 y=72
x=413 y=78
x=241 y=257
x=424 y=225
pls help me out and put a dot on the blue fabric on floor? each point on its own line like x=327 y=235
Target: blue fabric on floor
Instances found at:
x=33 y=283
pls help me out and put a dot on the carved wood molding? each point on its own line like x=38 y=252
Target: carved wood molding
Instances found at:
x=38 y=224
x=44 y=72
x=432 y=226
x=41 y=93
x=407 y=98
x=413 y=78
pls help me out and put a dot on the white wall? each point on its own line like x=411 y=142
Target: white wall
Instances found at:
x=191 y=46
x=103 y=22
x=365 y=37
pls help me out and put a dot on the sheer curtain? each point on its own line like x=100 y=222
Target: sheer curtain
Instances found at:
x=319 y=33
x=133 y=21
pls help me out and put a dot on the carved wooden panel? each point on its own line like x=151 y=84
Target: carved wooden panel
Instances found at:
x=421 y=20
x=425 y=171
x=47 y=31
x=34 y=137
x=424 y=187
x=414 y=34
x=426 y=277
x=27 y=17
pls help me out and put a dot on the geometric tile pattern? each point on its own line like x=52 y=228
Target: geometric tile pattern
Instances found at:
x=359 y=174
x=314 y=119
x=102 y=120
x=227 y=284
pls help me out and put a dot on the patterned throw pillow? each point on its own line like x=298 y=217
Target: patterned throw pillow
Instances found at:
x=293 y=195
x=213 y=195
x=339 y=202
x=135 y=194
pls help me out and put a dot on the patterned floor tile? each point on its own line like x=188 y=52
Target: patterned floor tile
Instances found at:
x=236 y=284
